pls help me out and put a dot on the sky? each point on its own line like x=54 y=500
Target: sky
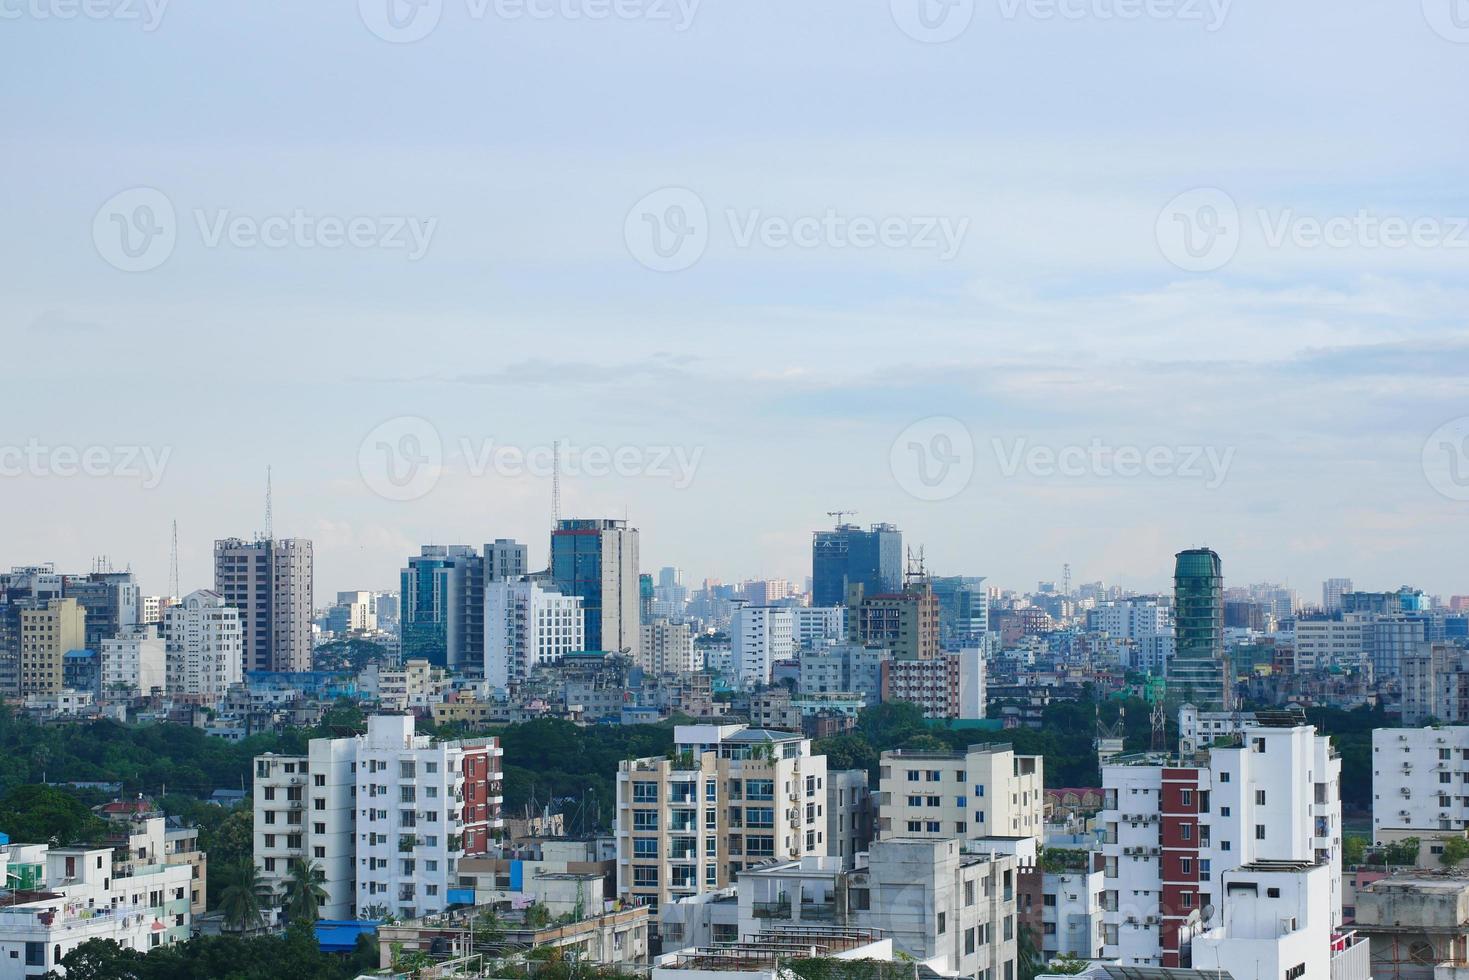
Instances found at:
x=1040 y=281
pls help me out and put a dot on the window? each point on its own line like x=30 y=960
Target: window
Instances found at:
x=933 y=827
x=979 y=789
x=915 y=826
x=645 y=847
x=645 y=820
x=1186 y=797
x=968 y=893
x=1224 y=811
x=644 y=792
x=1224 y=777
x=644 y=876
x=915 y=801
x=1186 y=831
x=1259 y=831
x=943 y=922
x=912 y=775
x=1259 y=797
x=968 y=941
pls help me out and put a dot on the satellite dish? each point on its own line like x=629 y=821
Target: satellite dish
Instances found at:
x=1208 y=911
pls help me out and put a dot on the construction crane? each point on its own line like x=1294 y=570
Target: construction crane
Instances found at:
x=838 y=514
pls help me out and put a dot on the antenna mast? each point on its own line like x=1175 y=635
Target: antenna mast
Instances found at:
x=269 y=519
x=173 y=564
x=555 y=484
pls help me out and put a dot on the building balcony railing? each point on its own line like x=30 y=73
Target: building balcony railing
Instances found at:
x=818 y=911
x=773 y=910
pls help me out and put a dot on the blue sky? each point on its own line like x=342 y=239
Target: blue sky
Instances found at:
x=1059 y=143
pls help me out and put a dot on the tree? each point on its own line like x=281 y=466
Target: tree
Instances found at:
x=102 y=959
x=1455 y=849
x=1354 y=850
x=304 y=892
x=1403 y=852
x=243 y=897
x=42 y=814
x=1068 y=965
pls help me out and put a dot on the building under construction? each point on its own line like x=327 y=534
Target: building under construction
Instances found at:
x=1417 y=925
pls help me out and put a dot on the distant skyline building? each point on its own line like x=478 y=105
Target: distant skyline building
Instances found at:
x=848 y=555
x=269 y=580
x=526 y=626
x=1199 y=672
x=204 y=646
x=112 y=600
x=47 y=635
x=598 y=560
x=1331 y=592
x=442 y=612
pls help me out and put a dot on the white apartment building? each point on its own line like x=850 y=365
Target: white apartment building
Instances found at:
x=1336 y=641
x=415 y=684
x=986 y=791
x=760 y=636
x=75 y=896
x=526 y=626
x=1071 y=914
x=816 y=626
x=203 y=645
x=150 y=609
x=733 y=797
x=133 y=663
x=1331 y=592
x=1172 y=828
x=385 y=816
x=668 y=648
x=1420 y=779
x=849 y=815
x=951 y=910
x=1144 y=623
x=844 y=668
x=355 y=612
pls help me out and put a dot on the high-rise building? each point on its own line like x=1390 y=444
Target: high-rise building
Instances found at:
x=112 y=601
x=23 y=587
x=1173 y=828
x=1199 y=672
x=668 y=648
x=1331 y=592
x=134 y=663
x=760 y=637
x=1144 y=624
x=526 y=626
x=386 y=816
x=47 y=635
x=732 y=797
x=506 y=560
x=442 y=618
x=598 y=561
x=847 y=556
x=985 y=791
x=905 y=622
x=204 y=646
x=269 y=580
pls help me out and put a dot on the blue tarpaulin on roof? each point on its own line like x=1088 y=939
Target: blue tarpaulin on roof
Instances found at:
x=340 y=935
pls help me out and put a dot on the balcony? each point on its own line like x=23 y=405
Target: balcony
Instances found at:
x=1350 y=957
x=818 y=911
x=780 y=909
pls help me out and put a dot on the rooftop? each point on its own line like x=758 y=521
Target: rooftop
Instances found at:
x=784 y=943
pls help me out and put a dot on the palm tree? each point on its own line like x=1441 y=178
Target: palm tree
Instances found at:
x=243 y=897
x=304 y=891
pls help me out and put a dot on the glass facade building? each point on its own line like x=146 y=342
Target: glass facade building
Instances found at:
x=849 y=555
x=1199 y=672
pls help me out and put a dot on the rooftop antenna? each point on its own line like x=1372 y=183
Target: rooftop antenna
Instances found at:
x=555 y=484
x=838 y=514
x=269 y=519
x=173 y=564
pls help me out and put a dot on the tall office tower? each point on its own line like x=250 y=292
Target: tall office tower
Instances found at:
x=1270 y=791
x=964 y=610
x=386 y=604
x=669 y=577
x=204 y=646
x=526 y=626
x=668 y=648
x=46 y=636
x=387 y=816
x=442 y=616
x=731 y=797
x=269 y=580
x=905 y=622
x=1331 y=592
x=645 y=598
x=848 y=555
x=112 y=601
x=1393 y=638
x=506 y=560
x=598 y=560
x=760 y=636
x=134 y=663
x=1199 y=672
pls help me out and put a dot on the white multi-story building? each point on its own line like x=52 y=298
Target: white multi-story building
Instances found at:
x=151 y=607
x=527 y=625
x=733 y=797
x=133 y=663
x=204 y=646
x=668 y=648
x=986 y=791
x=759 y=637
x=385 y=816
x=1420 y=779
x=844 y=668
x=355 y=612
x=1331 y=592
x=951 y=910
x=1333 y=641
x=64 y=896
x=1144 y=623
x=416 y=684
x=1071 y=914
x=816 y=626
x=1173 y=827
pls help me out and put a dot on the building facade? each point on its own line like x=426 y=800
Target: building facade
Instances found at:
x=269 y=581
x=986 y=791
x=204 y=646
x=597 y=560
x=527 y=626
